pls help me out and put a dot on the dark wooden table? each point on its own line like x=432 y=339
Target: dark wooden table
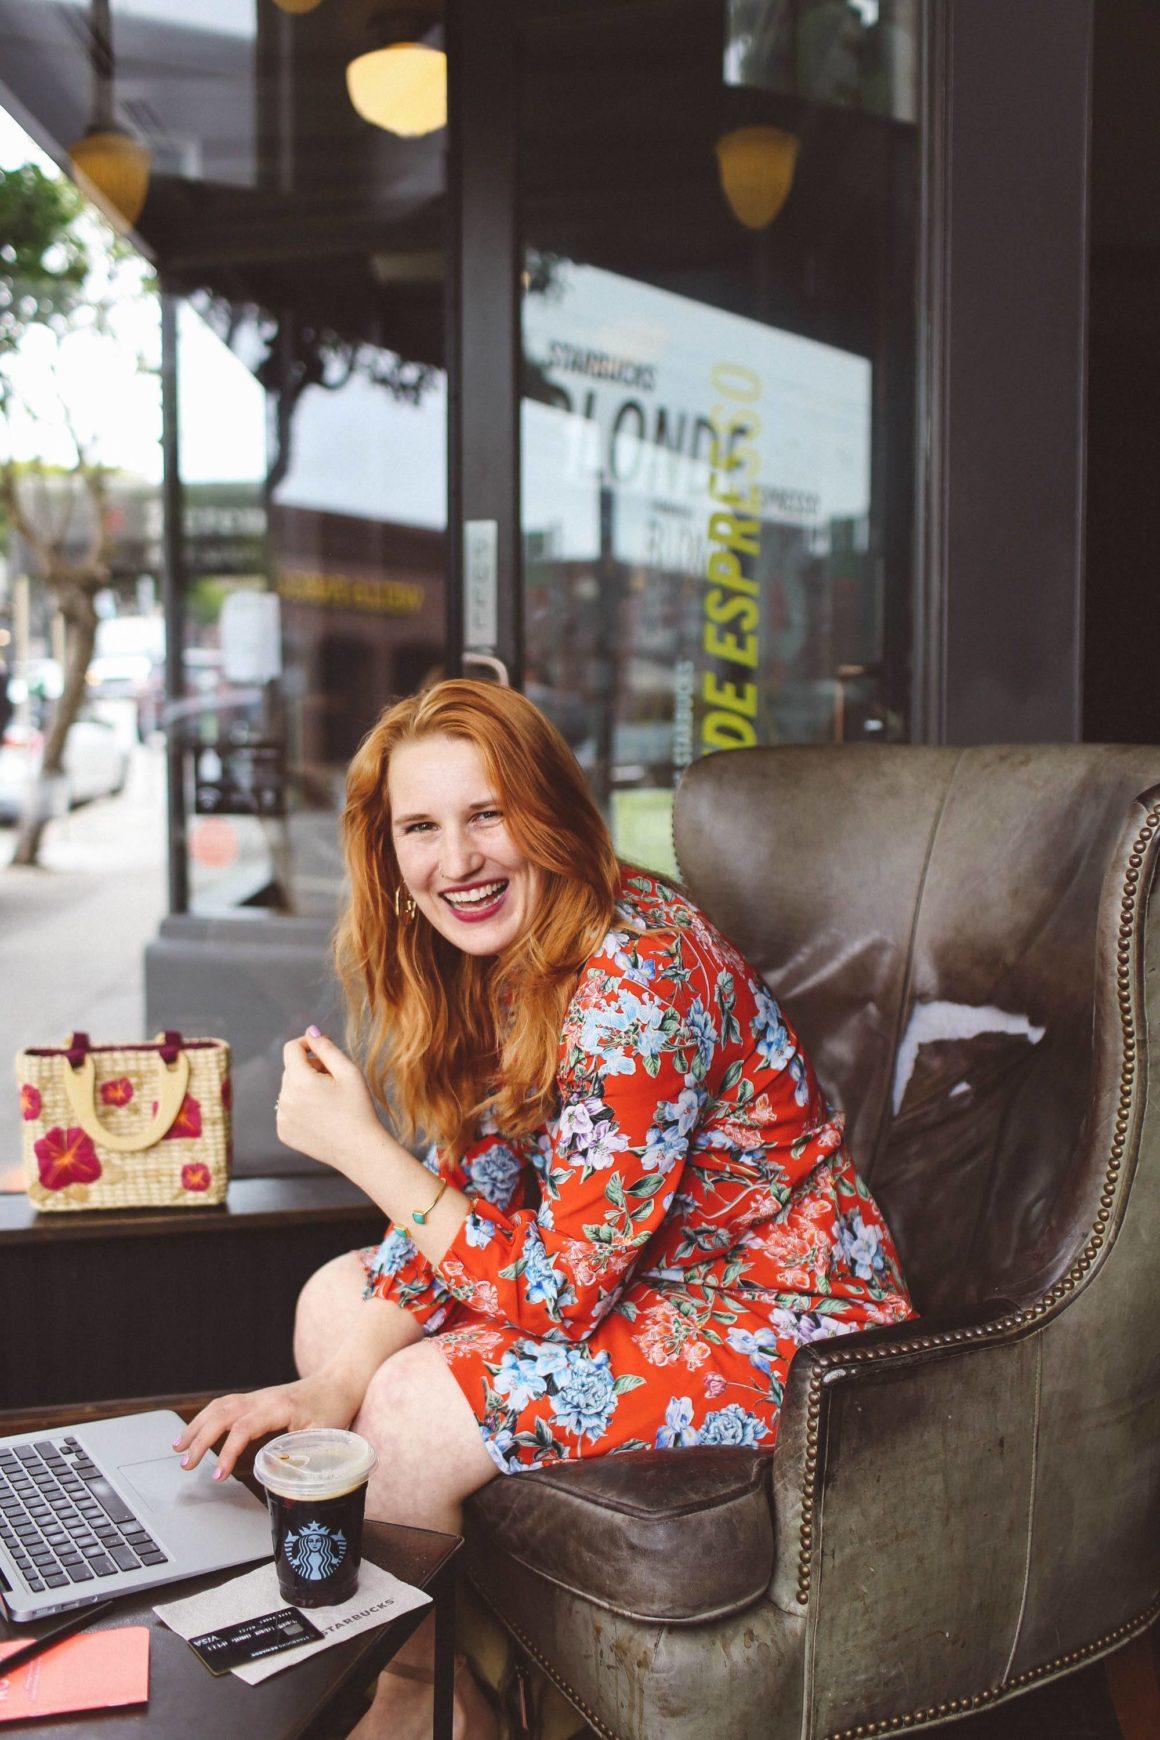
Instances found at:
x=322 y=1696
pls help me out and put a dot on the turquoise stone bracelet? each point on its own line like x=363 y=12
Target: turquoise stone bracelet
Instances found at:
x=420 y=1215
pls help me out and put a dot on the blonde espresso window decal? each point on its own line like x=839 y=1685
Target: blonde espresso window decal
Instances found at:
x=729 y=601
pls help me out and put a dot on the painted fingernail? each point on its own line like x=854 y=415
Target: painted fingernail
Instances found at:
x=314 y=1032
x=177 y=1443
x=185 y=1461
x=219 y=1473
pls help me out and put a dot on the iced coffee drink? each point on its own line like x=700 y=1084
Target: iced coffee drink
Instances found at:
x=316 y=1487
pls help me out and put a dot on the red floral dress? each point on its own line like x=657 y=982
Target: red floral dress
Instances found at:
x=640 y=1271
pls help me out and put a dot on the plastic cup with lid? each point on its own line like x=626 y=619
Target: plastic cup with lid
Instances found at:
x=316 y=1487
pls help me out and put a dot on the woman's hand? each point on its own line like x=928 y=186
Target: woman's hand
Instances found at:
x=325 y=1110
x=323 y=1399
x=326 y=1113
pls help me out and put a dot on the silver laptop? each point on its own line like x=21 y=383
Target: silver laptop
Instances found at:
x=106 y=1508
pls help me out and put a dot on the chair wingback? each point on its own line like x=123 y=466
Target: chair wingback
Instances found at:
x=929 y=919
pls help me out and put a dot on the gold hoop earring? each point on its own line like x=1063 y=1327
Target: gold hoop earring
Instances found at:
x=408 y=911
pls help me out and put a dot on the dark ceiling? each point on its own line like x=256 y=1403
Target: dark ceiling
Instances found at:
x=268 y=188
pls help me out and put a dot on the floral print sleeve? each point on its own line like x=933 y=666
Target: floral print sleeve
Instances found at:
x=491 y=1170
x=633 y=1061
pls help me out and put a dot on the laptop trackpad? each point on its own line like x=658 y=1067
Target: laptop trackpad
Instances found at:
x=162 y=1484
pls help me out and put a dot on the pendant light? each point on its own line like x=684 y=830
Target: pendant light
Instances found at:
x=108 y=161
x=756 y=166
x=400 y=83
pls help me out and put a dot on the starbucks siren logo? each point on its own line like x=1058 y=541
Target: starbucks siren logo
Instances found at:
x=315 y=1551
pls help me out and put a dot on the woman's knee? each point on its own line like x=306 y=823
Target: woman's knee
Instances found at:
x=326 y=1304
x=431 y=1455
x=404 y=1413
x=396 y=1392
x=417 y=1416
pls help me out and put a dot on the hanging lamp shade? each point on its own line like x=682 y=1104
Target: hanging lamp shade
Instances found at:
x=296 y=6
x=114 y=167
x=401 y=87
x=757 y=168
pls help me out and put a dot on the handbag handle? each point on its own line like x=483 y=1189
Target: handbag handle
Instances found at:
x=81 y=1087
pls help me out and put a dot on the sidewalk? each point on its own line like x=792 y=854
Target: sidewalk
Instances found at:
x=72 y=934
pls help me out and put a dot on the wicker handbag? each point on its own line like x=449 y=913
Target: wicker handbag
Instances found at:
x=126 y=1126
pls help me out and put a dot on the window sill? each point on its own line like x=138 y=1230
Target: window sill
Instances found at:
x=251 y=1203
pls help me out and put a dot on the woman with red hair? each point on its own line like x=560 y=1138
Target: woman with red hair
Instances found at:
x=637 y=1204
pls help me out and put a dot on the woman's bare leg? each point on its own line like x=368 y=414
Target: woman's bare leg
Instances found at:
x=328 y=1309
x=431 y=1454
x=431 y=1457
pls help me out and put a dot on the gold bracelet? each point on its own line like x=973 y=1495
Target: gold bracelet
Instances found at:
x=421 y=1216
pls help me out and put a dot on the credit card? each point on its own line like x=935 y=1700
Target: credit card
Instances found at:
x=251 y=1639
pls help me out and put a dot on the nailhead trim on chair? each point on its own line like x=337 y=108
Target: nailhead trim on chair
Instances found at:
x=991 y=1331
x=965 y=1706
x=557 y=1680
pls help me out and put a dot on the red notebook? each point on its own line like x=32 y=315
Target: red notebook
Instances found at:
x=100 y=1671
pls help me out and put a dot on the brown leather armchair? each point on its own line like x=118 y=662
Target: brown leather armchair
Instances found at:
x=961 y=1508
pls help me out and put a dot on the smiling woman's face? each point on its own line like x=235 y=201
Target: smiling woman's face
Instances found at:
x=466 y=874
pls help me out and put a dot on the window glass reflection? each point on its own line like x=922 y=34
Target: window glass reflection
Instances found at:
x=221 y=17
x=718 y=412
x=858 y=54
x=335 y=514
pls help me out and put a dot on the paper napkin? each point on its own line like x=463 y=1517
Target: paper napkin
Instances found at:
x=378 y=1599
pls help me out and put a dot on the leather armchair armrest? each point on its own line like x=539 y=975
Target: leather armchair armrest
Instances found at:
x=805 y=1447
x=904 y=1477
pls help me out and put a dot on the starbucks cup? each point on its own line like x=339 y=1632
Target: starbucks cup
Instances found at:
x=316 y=1488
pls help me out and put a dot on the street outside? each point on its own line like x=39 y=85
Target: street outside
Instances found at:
x=73 y=932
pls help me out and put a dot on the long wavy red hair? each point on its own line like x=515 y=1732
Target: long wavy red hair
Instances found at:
x=443 y=1035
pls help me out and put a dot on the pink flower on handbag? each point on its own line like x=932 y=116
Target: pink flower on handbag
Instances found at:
x=29 y=1102
x=118 y=1092
x=715 y=1385
x=66 y=1157
x=195 y=1176
x=227 y=1092
x=186 y=1124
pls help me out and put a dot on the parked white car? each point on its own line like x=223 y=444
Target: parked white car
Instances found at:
x=95 y=764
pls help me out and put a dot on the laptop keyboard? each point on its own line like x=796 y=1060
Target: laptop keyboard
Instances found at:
x=61 y=1520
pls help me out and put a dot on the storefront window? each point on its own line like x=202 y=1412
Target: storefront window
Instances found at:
x=294 y=517
x=327 y=599
x=305 y=246
x=718 y=333
x=303 y=249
